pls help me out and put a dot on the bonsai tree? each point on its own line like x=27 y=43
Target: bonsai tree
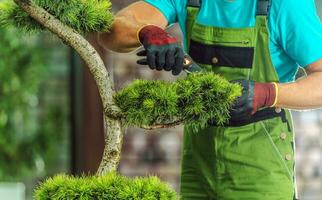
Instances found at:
x=192 y=101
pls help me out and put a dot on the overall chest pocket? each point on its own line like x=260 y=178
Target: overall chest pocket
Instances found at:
x=220 y=55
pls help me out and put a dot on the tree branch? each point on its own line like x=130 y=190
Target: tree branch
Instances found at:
x=113 y=130
x=159 y=126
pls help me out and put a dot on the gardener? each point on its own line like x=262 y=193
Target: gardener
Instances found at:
x=258 y=44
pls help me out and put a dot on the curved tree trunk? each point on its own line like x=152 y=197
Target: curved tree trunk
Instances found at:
x=113 y=144
x=113 y=127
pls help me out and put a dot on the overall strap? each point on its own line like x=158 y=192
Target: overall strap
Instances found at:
x=193 y=7
x=263 y=7
x=194 y=3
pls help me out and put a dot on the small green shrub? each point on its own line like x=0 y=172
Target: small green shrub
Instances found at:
x=82 y=15
x=108 y=187
x=194 y=100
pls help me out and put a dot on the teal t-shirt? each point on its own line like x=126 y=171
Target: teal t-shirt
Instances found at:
x=294 y=26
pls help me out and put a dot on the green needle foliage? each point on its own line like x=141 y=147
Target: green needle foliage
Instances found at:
x=195 y=101
x=147 y=102
x=82 y=15
x=108 y=187
x=205 y=97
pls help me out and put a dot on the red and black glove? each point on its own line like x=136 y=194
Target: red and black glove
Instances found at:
x=162 y=51
x=254 y=96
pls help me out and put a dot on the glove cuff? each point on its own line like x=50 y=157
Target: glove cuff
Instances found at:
x=153 y=34
x=265 y=95
x=276 y=94
x=140 y=35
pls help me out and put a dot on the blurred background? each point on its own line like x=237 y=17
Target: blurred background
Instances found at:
x=51 y=119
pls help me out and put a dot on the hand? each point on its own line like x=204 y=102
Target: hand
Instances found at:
x=162 y=51
x=254 y=96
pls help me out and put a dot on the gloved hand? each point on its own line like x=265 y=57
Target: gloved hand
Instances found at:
x=162 y=51
x=254 y=96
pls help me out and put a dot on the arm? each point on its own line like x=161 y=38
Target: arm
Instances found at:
x=123 y=34
x=305 y=93
x=301 y=39
x=142 y=23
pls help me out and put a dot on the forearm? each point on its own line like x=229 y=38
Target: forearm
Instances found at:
x=122 y=36
x=123 y=33
x=305 y=93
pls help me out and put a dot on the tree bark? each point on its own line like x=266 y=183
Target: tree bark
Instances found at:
x=113 y=127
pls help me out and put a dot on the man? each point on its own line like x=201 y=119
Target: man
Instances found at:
x=256 y=43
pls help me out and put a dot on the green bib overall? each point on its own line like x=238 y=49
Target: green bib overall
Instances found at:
x=241 y=161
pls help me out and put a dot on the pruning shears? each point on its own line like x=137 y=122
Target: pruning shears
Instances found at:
x=189 y=66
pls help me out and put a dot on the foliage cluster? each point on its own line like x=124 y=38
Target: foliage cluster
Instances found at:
x=111 y=186
x=195 y=101
x=82 y=15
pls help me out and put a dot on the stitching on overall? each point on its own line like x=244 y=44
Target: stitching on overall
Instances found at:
x=276 y=150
